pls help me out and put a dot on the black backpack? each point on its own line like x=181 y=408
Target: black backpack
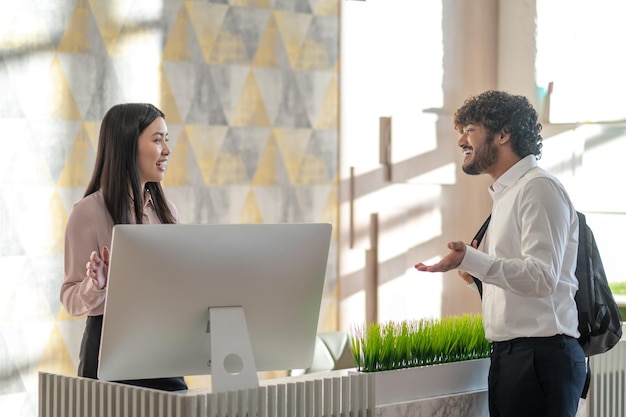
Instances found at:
x=599 y=318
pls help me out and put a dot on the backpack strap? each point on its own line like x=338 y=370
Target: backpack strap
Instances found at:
x=582 y=295
x=478 y=238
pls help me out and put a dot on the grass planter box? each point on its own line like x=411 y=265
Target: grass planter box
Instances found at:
x=409 y=384
x=412 y=360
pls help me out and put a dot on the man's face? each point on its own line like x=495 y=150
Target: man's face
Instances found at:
x=479 y=150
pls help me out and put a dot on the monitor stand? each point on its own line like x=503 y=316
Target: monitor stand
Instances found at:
x=232 y=362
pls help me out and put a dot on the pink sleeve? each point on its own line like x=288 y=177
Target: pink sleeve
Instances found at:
x=78 y=294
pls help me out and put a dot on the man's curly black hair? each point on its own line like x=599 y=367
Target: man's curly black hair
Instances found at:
x=498 y=110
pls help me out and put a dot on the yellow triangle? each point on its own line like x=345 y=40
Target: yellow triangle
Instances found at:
x=329 y=110
x=177 y=45
x=229 y=169
x=328 y=321
x=177 y=174
x=266 y=169
x=206 y=20
x=292 y=144
x=229 y=49
x=266 y=52
x=77 y=168
x=55 y=358
x=250 y=109
x=110 y=17
x=327 y=8
x=63 y=105
x=251 y=212
x=330 y=214
x=313 y=171
x=63 y=315
x=206 y=142
x=313 y=56
x=93 y=131
x=54 y=238
x=293 y=28
x=168 y=103
x=74 y=39
x=261 y=4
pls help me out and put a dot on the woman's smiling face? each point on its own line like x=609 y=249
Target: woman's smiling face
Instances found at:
x=153 y=152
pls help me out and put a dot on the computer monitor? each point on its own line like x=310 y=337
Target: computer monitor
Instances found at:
x=227 y=300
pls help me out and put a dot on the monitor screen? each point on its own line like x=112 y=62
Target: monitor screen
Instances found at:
x=178 y=295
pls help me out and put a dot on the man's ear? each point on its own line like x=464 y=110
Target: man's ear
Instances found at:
x=503 y=136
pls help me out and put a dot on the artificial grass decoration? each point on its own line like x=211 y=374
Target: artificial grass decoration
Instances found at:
x=406 y=344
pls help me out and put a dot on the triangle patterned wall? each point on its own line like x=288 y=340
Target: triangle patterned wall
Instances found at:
x=250 y=92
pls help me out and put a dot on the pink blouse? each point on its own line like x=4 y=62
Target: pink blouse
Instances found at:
x=90 y=228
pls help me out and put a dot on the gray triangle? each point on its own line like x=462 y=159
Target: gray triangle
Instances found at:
x=205 y=105
x=70 y=196
x=59 y=140
x=313 y=199
x=25 y=71
x=11 y=376
x=41 y=274
x=282 y=57
x=209 y=205
x=249 y=23
x=298 y=6
x=10 y=243
x=80 y=73
x=194 y=204
x=180 y=77
x=171 y=9
x=325 y=30
x=313 y=85
x=191 y=168
x=107 y=92
x=228 y=202
x=248 y=144
x=55 y=15
x=293 y=211
x=292 y=112
x=228 y=82
x=271 y=203
x=72 y=333
x=271 y=83
x=324 y=144
x=9 y=103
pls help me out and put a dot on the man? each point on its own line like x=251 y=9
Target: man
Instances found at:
x=528 y=264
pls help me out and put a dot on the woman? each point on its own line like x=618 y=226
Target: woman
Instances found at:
x=124 y=188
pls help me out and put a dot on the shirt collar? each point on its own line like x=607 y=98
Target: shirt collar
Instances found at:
x=511 y=175
x=147 y=199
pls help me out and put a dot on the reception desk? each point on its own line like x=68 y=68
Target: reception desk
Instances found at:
x=329 y=394
x=333 y=394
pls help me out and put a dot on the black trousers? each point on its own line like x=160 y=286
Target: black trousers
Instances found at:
x=88 y=365
x=536 y=376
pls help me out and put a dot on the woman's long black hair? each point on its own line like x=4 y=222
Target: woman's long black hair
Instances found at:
x=116 y=171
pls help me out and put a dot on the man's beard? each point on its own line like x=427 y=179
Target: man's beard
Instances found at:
x=483 y=157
